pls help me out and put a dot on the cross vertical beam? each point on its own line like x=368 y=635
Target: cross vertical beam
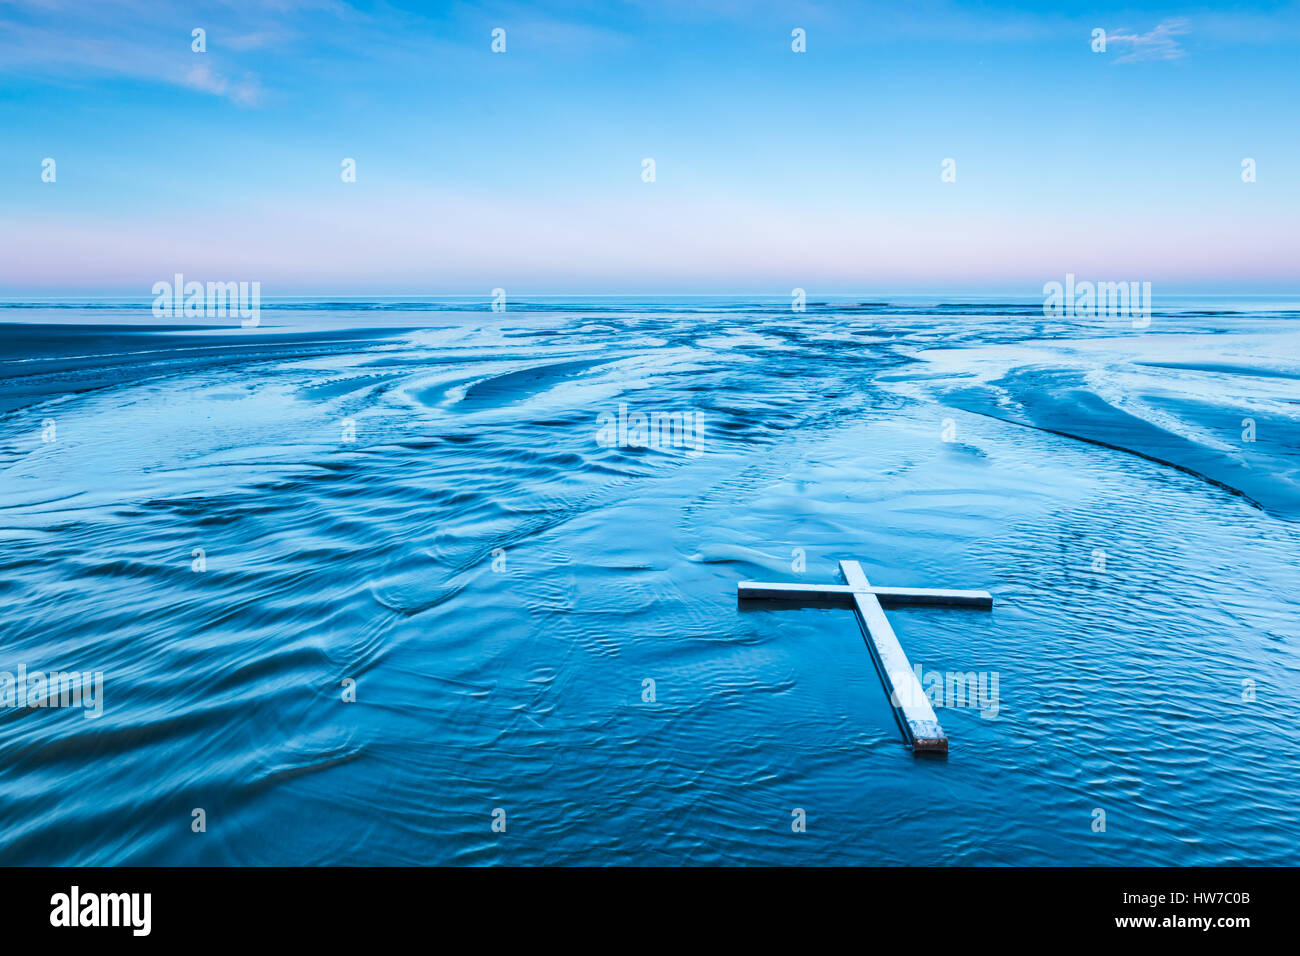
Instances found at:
x=912 y=708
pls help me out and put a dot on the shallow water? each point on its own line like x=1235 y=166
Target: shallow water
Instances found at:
x=417 y=496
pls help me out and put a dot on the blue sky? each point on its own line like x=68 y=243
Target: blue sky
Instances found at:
x=774 y=169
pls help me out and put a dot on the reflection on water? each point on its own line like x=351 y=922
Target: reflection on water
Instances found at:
x=233 y=526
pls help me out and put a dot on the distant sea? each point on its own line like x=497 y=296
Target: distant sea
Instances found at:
x=372 y=576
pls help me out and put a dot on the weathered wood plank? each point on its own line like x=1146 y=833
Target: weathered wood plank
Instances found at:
x=843 y=594
x=904 y=597
x=760 y=591
x=915 y=715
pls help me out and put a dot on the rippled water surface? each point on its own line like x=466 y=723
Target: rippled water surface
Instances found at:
x=417 y=497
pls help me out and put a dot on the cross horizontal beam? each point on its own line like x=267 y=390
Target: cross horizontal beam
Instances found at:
x=841 y=595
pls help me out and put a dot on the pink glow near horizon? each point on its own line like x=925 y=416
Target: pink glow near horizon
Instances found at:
x=453 y=244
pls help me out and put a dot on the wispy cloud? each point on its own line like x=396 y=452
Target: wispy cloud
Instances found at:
x=69 y=40
x=1160 y=43
x=245 y=92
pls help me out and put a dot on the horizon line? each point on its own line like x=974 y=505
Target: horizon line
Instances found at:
x=624 y=295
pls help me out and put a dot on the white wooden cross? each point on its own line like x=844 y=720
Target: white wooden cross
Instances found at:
x=911 y=706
